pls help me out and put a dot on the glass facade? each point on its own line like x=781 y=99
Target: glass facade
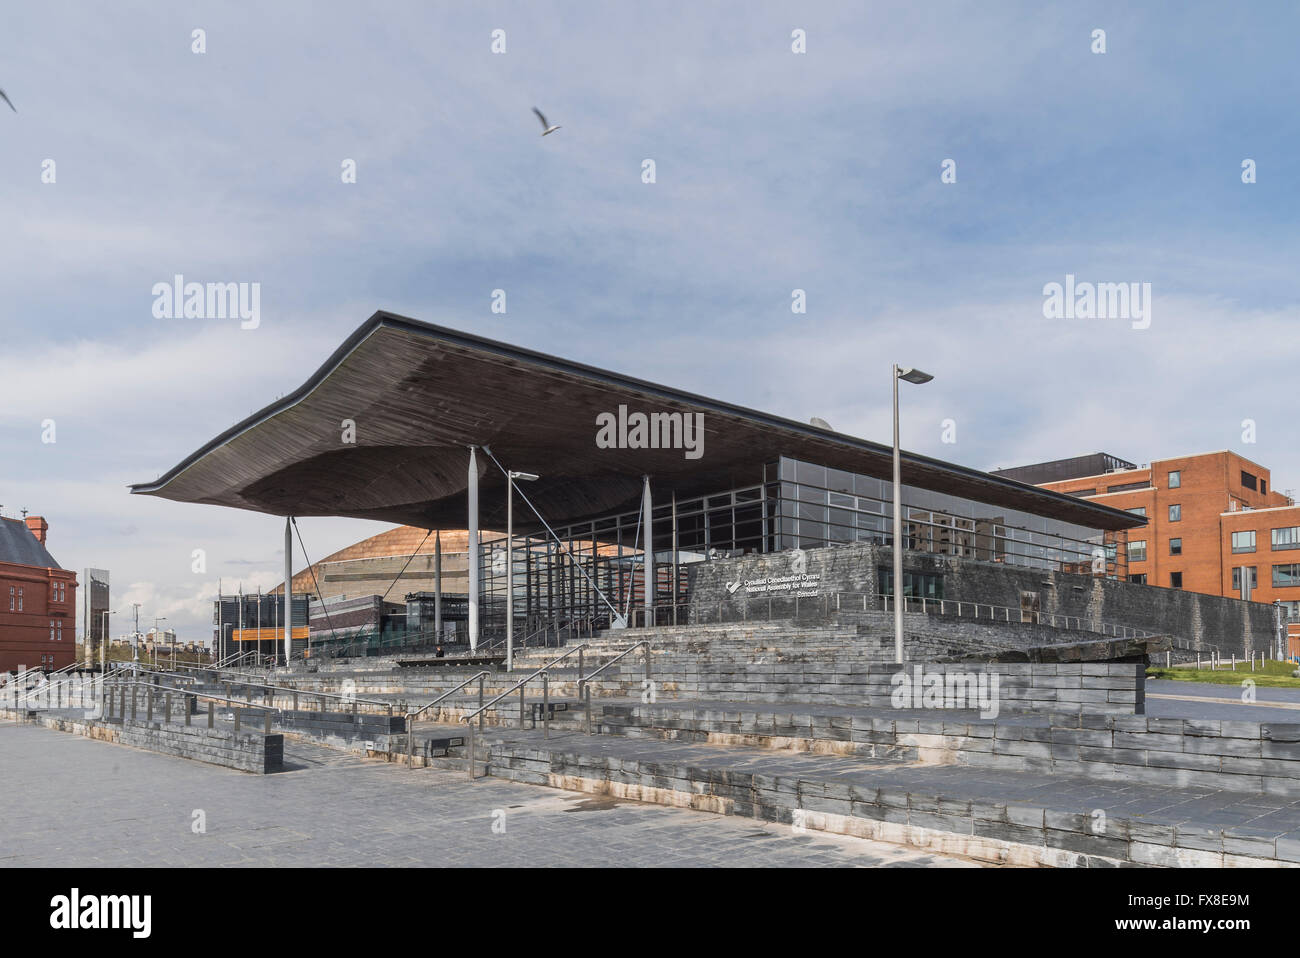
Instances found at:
x=792 y=504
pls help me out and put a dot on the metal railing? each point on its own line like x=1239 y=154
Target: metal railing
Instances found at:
x=519 y=686
x=584 y=687
x=120 y=687
x=410 y=716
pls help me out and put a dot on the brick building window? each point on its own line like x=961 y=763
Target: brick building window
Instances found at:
x=1175 y=513
x=20 y=600
x=1137 y=551
x=51 y=630
x=1243 y=541
x=1138 y=511
x=1175 y=547
x=1175 y=580
x=1285 y=576
x=1248 y=481
x=1291 y=609
x=1175 y=479
x=1138 y=578
x=1288 y=538
x=11 y=598
x=1236 y=578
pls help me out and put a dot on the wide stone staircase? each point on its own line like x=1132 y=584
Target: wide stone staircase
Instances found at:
x=798 y=723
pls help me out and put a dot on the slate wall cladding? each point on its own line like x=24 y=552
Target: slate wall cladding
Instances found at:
x=1202 y=620
x=251 y=751
x=1104 y=687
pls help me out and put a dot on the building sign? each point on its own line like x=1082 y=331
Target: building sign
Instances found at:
x=796 y=585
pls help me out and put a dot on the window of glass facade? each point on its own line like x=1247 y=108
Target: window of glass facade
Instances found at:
x=915 y=584
x=1243 y=541
x=792 y=504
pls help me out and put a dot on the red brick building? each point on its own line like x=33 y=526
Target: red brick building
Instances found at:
x=38 y=599
x=1215 y=524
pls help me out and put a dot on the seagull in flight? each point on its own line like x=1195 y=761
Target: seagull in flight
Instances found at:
x=14 y=108
x=546 y=127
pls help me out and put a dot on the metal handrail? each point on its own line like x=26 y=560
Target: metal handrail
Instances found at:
x=524 y=681
x=584 y=692
x=268 y=709
x=546 y=711
x=447 y=694
x=410 y=716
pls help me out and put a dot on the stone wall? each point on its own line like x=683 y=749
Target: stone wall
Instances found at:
x=763 y=586
x=247 y=751
x=1105 y=687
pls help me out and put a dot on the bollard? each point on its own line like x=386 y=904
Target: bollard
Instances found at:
x=185 y=704
x=211 y=705
x=148 y=706
x=133 y=701
x=1234 y=661
x=267 y=727
x=546 y=705
x=167 y=708
x=469 y=752
x=480 y=700
x=521 y=707
x=237 y=713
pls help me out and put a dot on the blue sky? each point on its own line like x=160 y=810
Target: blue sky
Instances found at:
x=775 y=171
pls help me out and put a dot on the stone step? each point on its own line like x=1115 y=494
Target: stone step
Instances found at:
x=1019 y=818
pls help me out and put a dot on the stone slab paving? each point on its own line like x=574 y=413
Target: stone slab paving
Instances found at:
x=79 y=802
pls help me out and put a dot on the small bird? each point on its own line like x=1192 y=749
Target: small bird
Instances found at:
x=15 y=109
x=546 y=127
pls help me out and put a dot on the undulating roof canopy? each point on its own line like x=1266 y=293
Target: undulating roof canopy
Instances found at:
x=420 y=395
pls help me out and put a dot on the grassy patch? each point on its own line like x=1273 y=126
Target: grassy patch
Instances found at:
x=1271 y=674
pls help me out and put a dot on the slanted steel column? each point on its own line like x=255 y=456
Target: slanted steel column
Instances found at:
x=437 y=584
x=288 y=591
x=647 y=508
x=472 y=547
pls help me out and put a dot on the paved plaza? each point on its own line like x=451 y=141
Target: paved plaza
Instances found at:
x=71 y=801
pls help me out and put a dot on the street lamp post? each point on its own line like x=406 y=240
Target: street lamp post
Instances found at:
x=917 y=377
x=511 y=476
x=135 y=641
